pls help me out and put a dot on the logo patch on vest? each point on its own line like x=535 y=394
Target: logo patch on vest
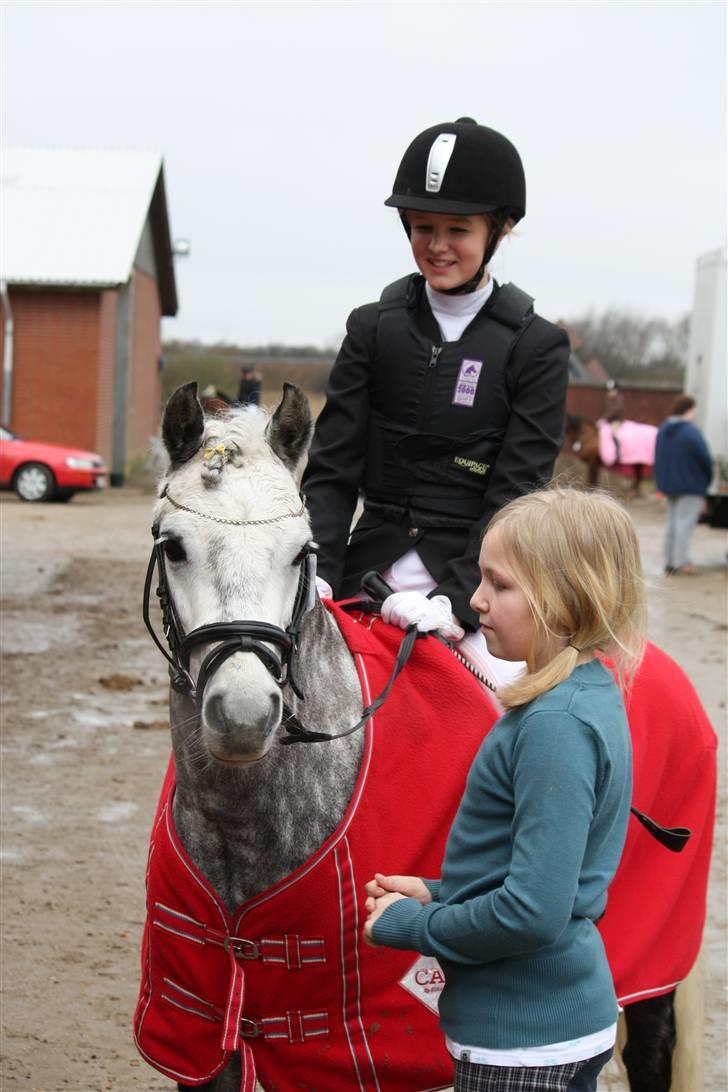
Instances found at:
x=425 y=980
x=471 y=465
x=467 y=383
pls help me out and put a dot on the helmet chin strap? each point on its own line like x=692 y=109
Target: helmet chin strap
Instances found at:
x=474 y=283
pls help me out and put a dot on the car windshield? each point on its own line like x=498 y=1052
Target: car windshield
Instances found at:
x=6 y=434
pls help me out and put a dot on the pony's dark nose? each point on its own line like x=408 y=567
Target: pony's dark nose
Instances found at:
x=235 y=729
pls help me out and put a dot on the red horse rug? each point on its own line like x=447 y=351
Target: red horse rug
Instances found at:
x=286 y=979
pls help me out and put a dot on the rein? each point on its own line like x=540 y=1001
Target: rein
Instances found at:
x=377 y=587
x=296 y=731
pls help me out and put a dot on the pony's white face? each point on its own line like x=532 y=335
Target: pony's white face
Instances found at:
x=225 y=572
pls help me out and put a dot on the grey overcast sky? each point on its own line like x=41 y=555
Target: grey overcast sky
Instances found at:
x=282 y=124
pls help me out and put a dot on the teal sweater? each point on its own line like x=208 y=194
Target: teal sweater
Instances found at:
x=535 y=842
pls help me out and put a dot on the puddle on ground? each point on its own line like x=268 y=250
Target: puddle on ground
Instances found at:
x=117 y=813
x=30 y=814
x=28 y=574
x=92 y=718
x=121 y=713
x=41 y=760
x=11 y=855
x=34 y=633
x=62 y=743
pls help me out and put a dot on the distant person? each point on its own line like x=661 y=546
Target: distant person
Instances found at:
x=249 y=389
x=610 y=424
x=614 y=406
x=683 y=471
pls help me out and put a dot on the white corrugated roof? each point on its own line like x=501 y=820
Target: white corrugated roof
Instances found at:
x=73 y=216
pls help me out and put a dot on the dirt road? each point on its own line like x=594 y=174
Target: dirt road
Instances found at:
x=85 y=745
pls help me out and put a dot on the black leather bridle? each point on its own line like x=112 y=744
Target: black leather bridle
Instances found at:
x=236 y=636
x=252 y=636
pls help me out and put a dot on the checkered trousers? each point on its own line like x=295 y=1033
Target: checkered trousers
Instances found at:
x=471 y=1077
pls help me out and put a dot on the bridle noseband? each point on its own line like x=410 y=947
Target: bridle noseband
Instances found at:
x=236 y=636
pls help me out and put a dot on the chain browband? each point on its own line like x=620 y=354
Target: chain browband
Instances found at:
x=236 y=522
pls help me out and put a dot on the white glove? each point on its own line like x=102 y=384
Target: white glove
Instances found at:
x=405 y=608
x=324 y=588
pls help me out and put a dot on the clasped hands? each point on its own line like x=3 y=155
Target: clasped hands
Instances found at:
x=382 y=891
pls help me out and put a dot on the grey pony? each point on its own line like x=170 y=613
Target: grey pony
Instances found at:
x=247 y=824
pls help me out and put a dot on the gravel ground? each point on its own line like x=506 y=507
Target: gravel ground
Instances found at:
x=85 y=743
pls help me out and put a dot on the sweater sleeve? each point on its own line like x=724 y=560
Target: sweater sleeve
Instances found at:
x=532 y=440
x=335 y=469
x=556 y=771
x=433 y=886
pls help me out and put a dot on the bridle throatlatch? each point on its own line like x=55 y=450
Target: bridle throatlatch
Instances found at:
x=236 y=636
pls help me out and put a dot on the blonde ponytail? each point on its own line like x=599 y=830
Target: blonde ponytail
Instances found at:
x=533 y=683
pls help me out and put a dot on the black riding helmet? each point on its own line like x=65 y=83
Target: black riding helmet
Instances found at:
x=463 y=169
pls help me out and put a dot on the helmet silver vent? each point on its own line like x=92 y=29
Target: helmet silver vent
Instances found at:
x=437 y=161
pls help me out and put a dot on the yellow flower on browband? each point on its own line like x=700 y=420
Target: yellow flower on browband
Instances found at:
x=219 y=449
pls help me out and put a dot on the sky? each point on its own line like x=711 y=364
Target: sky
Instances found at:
x=282 y=125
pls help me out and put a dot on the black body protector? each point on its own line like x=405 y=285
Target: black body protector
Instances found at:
x=439 y=412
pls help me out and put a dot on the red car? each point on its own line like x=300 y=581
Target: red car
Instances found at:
x=42 y=472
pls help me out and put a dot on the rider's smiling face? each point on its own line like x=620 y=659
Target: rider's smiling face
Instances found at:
x=448 y=249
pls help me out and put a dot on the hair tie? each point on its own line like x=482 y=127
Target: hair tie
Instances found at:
x=580 y=650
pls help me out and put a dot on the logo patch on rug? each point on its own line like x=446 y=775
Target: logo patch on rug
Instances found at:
x=425 y=980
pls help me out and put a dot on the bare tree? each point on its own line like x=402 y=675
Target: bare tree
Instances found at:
x=631 y=346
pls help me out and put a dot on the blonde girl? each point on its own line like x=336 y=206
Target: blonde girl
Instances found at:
x=529 y=1001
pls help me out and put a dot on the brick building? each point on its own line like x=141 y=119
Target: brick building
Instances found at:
x=87 y=269
x=649 y=404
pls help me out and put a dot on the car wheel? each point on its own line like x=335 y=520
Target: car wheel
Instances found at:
x=34 y=482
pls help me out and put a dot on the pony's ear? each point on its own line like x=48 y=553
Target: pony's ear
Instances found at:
x=289 y=429
x=183 y=424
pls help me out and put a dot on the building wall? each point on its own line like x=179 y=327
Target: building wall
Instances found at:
x=56 y=365
x=145 y=392
x=144 y=258
x=64 y=361
x=649 y=405
x=108 y=307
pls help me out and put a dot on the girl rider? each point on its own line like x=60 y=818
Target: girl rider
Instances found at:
x=446 y=399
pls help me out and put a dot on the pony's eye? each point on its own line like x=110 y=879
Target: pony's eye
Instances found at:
x=174 y=550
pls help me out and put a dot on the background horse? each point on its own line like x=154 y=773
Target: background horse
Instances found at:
x=244 y=828
x=627 y=447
